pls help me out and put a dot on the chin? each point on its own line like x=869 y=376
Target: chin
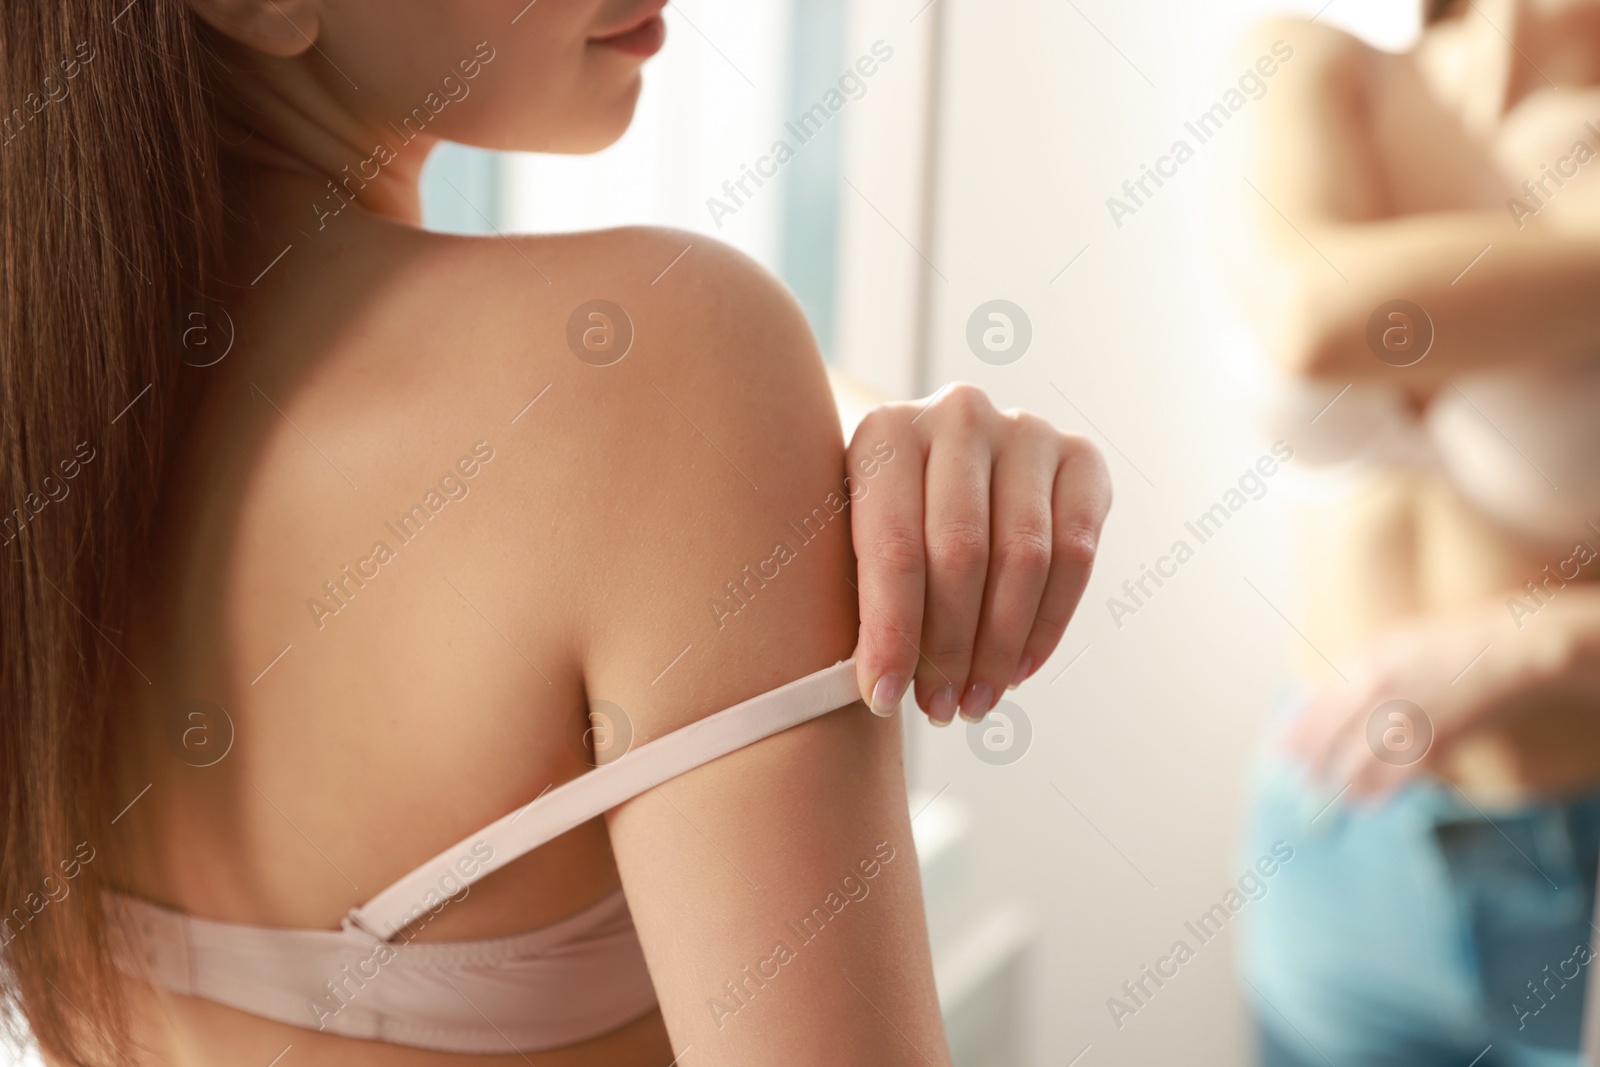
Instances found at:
x=586 y=127
x=600 y=129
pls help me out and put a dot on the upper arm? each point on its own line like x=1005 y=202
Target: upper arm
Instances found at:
x=1309 y=170
x=1315 y=156
x=734 y=575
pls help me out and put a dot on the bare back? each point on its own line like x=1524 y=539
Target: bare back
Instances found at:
x=414 y=535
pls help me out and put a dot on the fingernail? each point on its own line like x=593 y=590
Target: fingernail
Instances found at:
x=942 y=708
x=1023 y=670
x=886 y=694
x=980 y=698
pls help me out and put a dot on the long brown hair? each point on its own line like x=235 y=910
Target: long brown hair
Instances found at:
x=111 y=213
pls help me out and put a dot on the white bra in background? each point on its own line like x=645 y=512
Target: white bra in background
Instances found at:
x=1521 y=446
x=575 y=979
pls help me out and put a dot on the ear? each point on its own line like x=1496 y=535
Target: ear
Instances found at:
x=280 y=28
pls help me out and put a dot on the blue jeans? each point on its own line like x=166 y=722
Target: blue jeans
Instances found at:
x=1420 y=932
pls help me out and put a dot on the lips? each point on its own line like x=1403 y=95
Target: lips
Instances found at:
x=642 y=35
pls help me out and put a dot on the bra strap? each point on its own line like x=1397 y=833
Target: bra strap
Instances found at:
x=576 y=802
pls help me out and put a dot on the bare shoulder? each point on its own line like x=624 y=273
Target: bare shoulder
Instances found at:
x=407 y=311
x=668 y=461
x=1326 y=76
x=675 y=452
x=1314 y=48
x=724 y=526
x=615 y=316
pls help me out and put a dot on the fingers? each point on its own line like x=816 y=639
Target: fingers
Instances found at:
x=1080 y=503
x=1329 y=739
x=973 y=549
x=957 y=536
x=1332 y=740
x=885 y=486
x=1421 y=686
x=1019 y=562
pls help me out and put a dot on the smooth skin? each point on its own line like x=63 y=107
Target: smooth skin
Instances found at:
x=578 y=563
x=1395 y=170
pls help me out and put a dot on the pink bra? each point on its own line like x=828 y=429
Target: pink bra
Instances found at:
x=575 y=979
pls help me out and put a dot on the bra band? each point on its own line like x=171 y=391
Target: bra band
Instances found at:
x=598 y=791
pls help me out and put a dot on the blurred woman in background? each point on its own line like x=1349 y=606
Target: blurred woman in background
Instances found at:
x=1428 y=281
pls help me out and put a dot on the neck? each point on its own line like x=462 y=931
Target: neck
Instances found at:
x=295 y=158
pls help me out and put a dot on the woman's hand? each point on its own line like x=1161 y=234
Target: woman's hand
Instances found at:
x=974 y=541
x=1448 y=676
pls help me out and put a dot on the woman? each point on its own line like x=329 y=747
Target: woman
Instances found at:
x=340 y=543
x=1432 y=255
